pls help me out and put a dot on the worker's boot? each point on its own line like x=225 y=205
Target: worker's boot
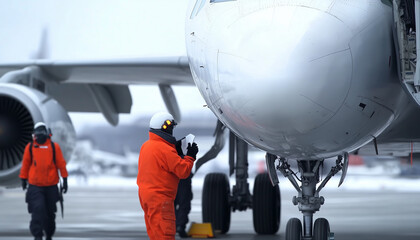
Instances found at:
x=48 y=238
x=181 y=232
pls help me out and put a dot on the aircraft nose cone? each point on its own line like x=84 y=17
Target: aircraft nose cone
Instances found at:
x=284 y=69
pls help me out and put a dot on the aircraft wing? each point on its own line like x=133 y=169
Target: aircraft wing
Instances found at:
x=100 y=85
x=151 y=70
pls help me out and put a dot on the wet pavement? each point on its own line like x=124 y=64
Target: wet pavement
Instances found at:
x=93 y=213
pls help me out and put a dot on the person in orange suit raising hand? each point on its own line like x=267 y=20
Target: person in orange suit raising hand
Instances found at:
x=159 y=170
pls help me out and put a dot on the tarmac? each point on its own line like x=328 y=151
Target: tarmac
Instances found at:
x=93 y=213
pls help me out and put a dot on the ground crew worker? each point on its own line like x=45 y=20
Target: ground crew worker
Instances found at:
x=39 y=168
x=160 y=168
x=183 y=199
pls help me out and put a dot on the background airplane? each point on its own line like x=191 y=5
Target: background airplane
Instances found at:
x=302 y=80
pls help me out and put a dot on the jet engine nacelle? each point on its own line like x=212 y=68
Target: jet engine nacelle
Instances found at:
x=20 y=108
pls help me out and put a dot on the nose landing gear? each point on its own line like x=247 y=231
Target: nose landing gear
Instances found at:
x=308 y=199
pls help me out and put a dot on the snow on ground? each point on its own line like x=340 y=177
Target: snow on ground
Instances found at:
x=376 y=182
x=99 y=169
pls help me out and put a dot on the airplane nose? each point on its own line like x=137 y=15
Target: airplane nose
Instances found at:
x=283 y=69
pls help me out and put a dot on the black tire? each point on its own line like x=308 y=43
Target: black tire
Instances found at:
x=321 y=229
x=215 y=202
x=265 y=205
x=294 y=229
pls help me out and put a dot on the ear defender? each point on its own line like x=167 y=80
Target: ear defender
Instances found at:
x=166 y=124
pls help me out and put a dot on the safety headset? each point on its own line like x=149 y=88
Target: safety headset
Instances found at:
x=168 y=123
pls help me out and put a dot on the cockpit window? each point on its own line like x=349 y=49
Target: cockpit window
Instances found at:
x=216 y=1
x=197 y=7
x=200 y=4
x=387 y=2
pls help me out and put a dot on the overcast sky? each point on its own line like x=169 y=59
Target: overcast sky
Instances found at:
x=94 y=29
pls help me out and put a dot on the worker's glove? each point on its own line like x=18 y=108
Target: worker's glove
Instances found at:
x=24 y=183
x=192 y=150
x=178 y=147
x=65 y=186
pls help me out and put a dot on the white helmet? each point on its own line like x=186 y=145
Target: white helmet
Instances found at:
x=159 y=119
x=40 y=124
x=40 y=133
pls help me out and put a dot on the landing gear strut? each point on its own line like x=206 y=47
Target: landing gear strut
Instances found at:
x=265 y=200
x=218 y=201
x=308 y=200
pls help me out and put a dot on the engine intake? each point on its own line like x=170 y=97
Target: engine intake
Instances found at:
x=16 y=126
x=20 y=108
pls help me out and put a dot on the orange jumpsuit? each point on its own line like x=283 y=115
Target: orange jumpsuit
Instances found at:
x=160 y=168
x=41 y=170
x=42 y=194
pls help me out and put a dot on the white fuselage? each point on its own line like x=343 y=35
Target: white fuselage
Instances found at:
x=300 y=79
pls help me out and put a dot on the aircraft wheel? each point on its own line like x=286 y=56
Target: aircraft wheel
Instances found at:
x=265 y=205
x=215 y=202
x=321 y=229
x=294 y=229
